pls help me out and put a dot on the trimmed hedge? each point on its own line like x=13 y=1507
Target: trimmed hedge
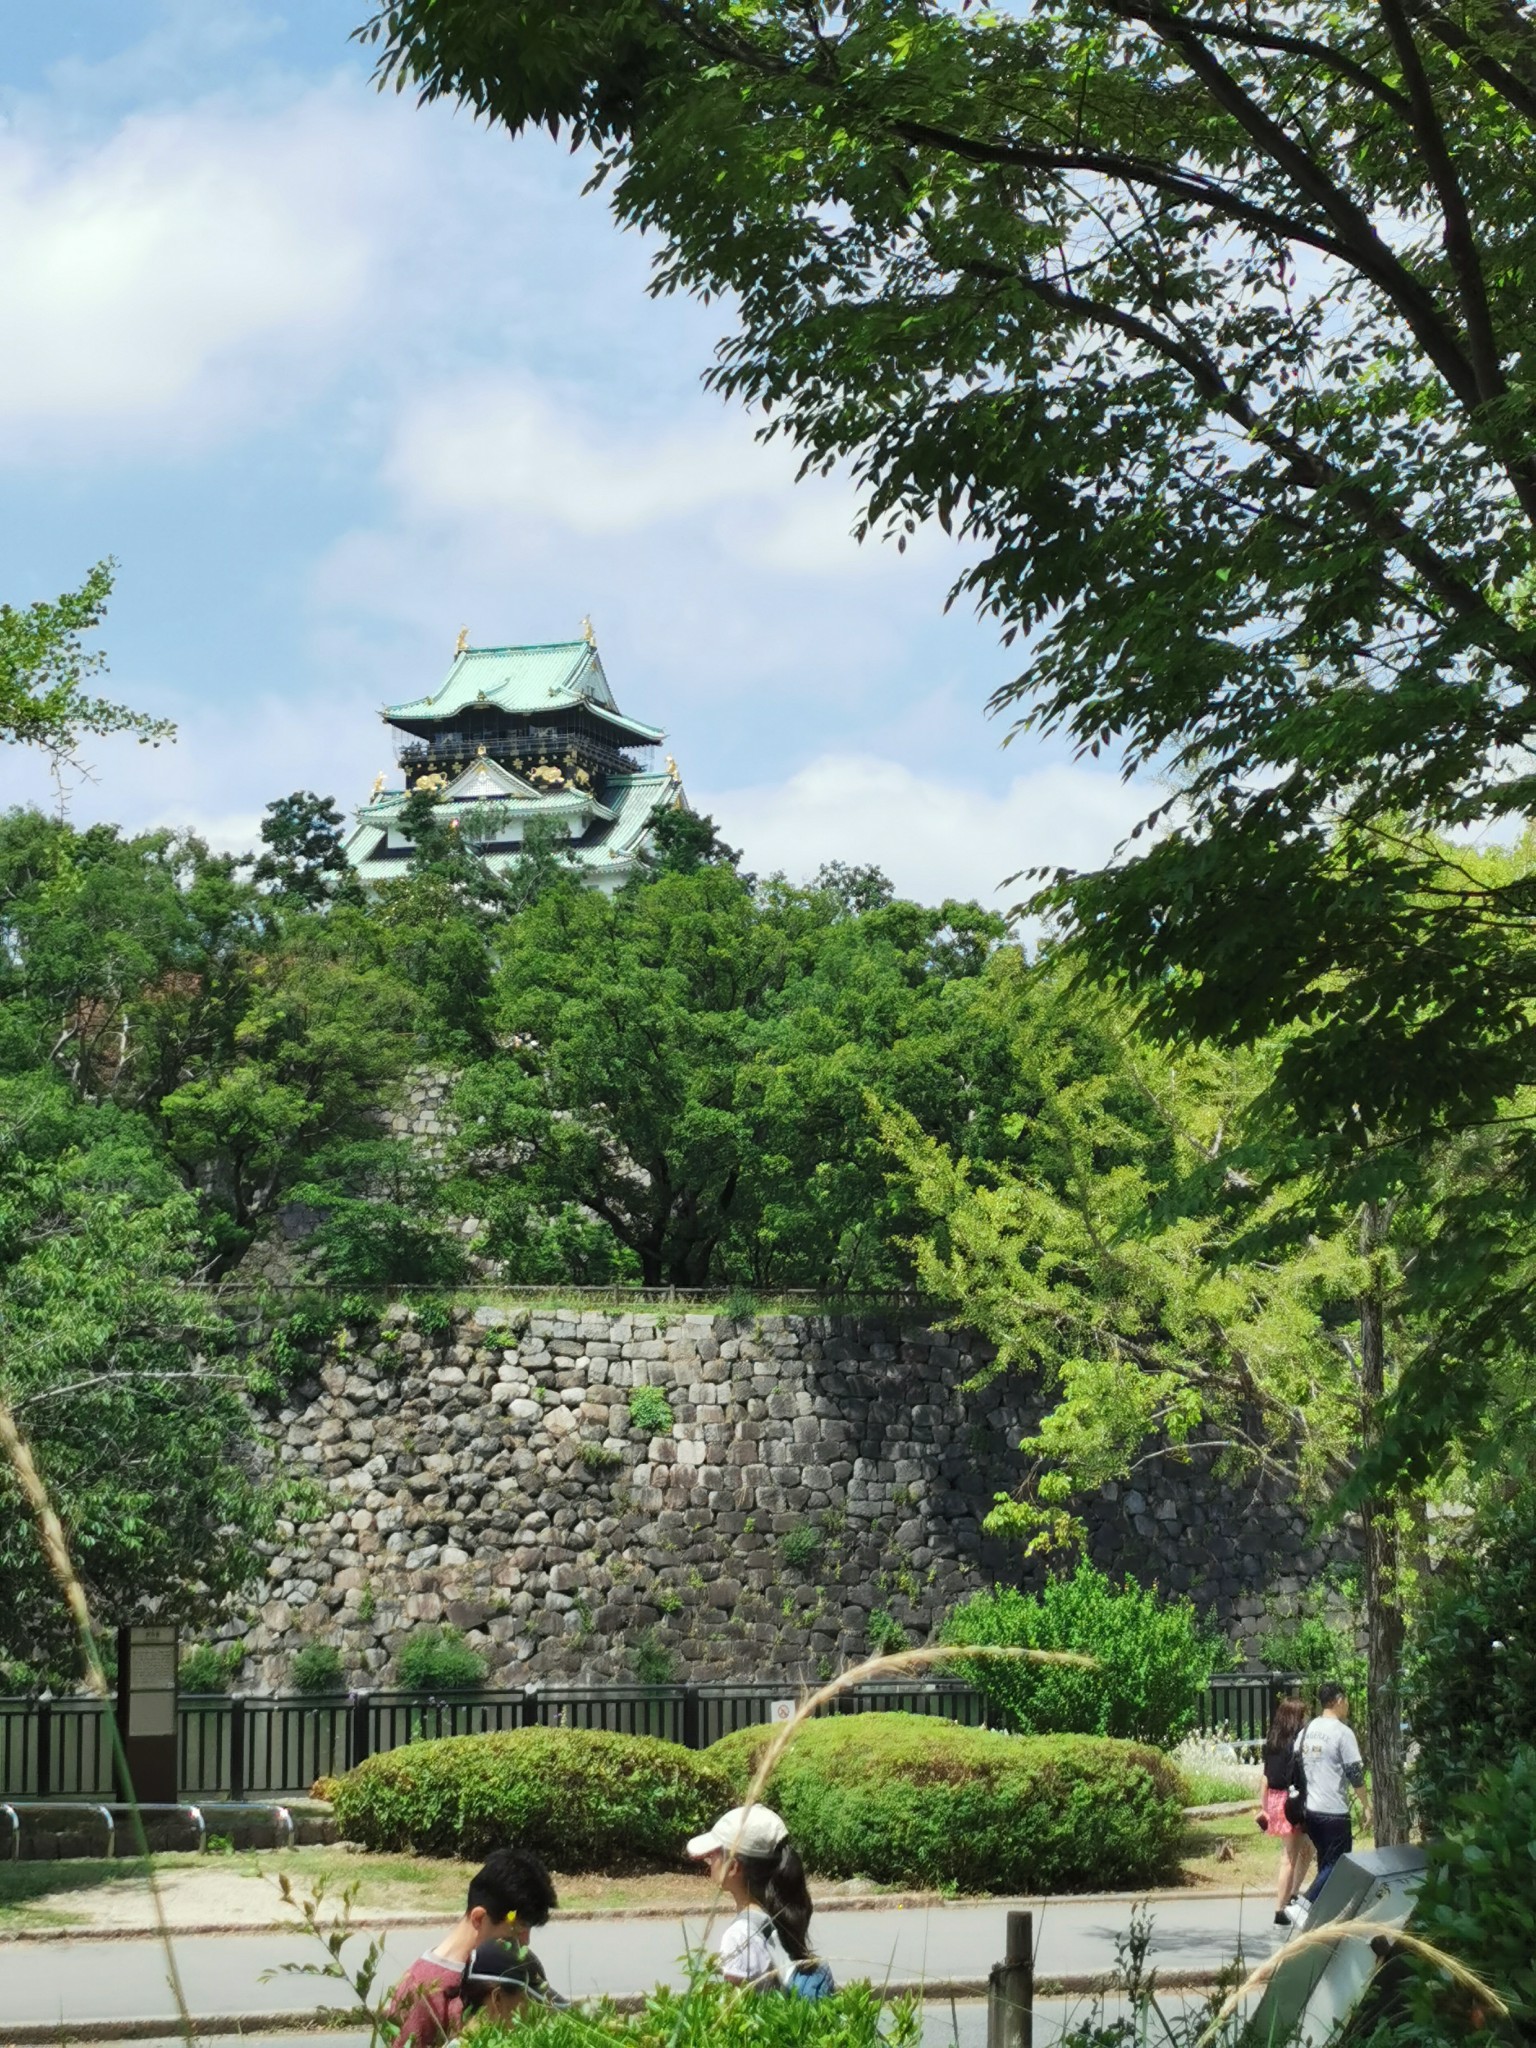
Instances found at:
x=582 y=1800
x=910 y=1799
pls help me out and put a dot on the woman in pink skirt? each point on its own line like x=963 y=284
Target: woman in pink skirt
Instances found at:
x=1295 y=1849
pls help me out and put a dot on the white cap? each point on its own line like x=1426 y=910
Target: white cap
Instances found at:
x=744 y=1831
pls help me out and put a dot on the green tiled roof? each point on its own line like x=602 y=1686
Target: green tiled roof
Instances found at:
x=517 y=679
x=608 y=848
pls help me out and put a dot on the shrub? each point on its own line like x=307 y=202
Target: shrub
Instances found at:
x=1317 y=1649
x=205 y=1669
x=650 y=1411
x=1471 y=1694
x=439 y=1660
x=1153 y=1658
x=584 y=1799
x=910 y=1799
x=885 y=1634
x=317 y=1669
x=1478 y=1901
x=717 y=2013
x=800 y=1546
x=654 y=1662
x=598 y=1458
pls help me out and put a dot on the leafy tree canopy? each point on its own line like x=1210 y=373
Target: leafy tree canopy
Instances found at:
x=684 y=1089
x=304 y=857
x=44 y=669
x=1208 y=333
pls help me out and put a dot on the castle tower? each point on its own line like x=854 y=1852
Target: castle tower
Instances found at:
x=513 y=734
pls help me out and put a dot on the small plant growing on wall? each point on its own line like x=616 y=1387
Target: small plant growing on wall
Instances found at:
x=205 y=1669
x=439 y=1660
x=598 y=1458
x=653 y=1660
x=317 y=1669
x=886 y=1634
x=800 y=1547
x=650 y=1411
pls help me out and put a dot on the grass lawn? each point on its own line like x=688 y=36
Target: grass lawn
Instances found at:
x=1254 y=1859
x=243 y=1886
x=204 y=1890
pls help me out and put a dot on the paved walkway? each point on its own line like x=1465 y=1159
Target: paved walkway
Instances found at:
x=65 y=1983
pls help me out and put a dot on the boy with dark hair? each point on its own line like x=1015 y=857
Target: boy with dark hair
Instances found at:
x=509 y=1896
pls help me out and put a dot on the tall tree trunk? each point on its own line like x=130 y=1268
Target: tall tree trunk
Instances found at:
x=1382 y=1578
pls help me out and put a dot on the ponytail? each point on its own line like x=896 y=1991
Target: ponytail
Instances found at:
x=777 y=1883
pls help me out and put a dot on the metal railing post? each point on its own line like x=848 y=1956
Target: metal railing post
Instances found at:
x=690 y=1730
x=45 y=1746
x=359 y=1730
x=1011 y=1989
x=237 y=1748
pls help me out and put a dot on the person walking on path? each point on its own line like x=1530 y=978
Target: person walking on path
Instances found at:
x=1335 y=1771
x=1279 y=1754
x=508 y=1897
x=750 y=1856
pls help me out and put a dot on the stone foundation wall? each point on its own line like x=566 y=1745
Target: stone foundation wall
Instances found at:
x=822 y=1480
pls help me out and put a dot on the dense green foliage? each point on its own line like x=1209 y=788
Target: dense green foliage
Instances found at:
x=689 y=1074
x=206 y=1669
x=650 y=1412
x=317 y=1670
x=1057 y=278
x=909 y=1799
x=1153 y=1658
x=439 y=1660
x=711 y=2014
x=581 y=1800
x=1472 y=1677
x=1478 y=1903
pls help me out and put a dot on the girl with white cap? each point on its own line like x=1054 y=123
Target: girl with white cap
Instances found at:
x=751 y=1858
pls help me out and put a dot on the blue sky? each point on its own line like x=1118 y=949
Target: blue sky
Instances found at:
x=332 y=376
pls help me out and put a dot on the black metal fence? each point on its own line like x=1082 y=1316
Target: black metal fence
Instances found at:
x=277 y=1745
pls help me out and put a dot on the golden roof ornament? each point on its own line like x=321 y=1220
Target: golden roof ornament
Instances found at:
x=589 y=631
x=378 y=784
x=672 y=769
x=479 y=753
x=462 y=642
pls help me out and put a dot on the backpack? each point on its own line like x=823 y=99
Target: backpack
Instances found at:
x=810 y=1979
x=1296 y=1798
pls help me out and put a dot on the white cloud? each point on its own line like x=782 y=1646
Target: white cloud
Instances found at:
x=227 y=763
x=506 y=451
x=933 y=837
x=195 y=268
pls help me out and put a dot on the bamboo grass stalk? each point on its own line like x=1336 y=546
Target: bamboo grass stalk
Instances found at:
x=55 y=1548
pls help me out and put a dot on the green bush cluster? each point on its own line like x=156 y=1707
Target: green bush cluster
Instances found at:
x=582 y=1799
x=317 y=1669
x=711 y=2014
x=205 y=1669
x=1152 y=1658
x=1471 y=1695
x=910 y=1799
x=650 y=1411
x=1478 y=1900
x=800 y=1547
x=439 y=1660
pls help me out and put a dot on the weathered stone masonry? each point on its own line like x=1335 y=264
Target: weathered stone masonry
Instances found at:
x=488 y=1475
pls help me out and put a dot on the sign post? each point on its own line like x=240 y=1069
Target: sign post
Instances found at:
x=146 y=1713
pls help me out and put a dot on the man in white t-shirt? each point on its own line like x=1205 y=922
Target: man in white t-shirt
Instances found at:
x=1335 y=1772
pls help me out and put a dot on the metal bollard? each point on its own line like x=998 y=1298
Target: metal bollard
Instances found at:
x=1011 y=1988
